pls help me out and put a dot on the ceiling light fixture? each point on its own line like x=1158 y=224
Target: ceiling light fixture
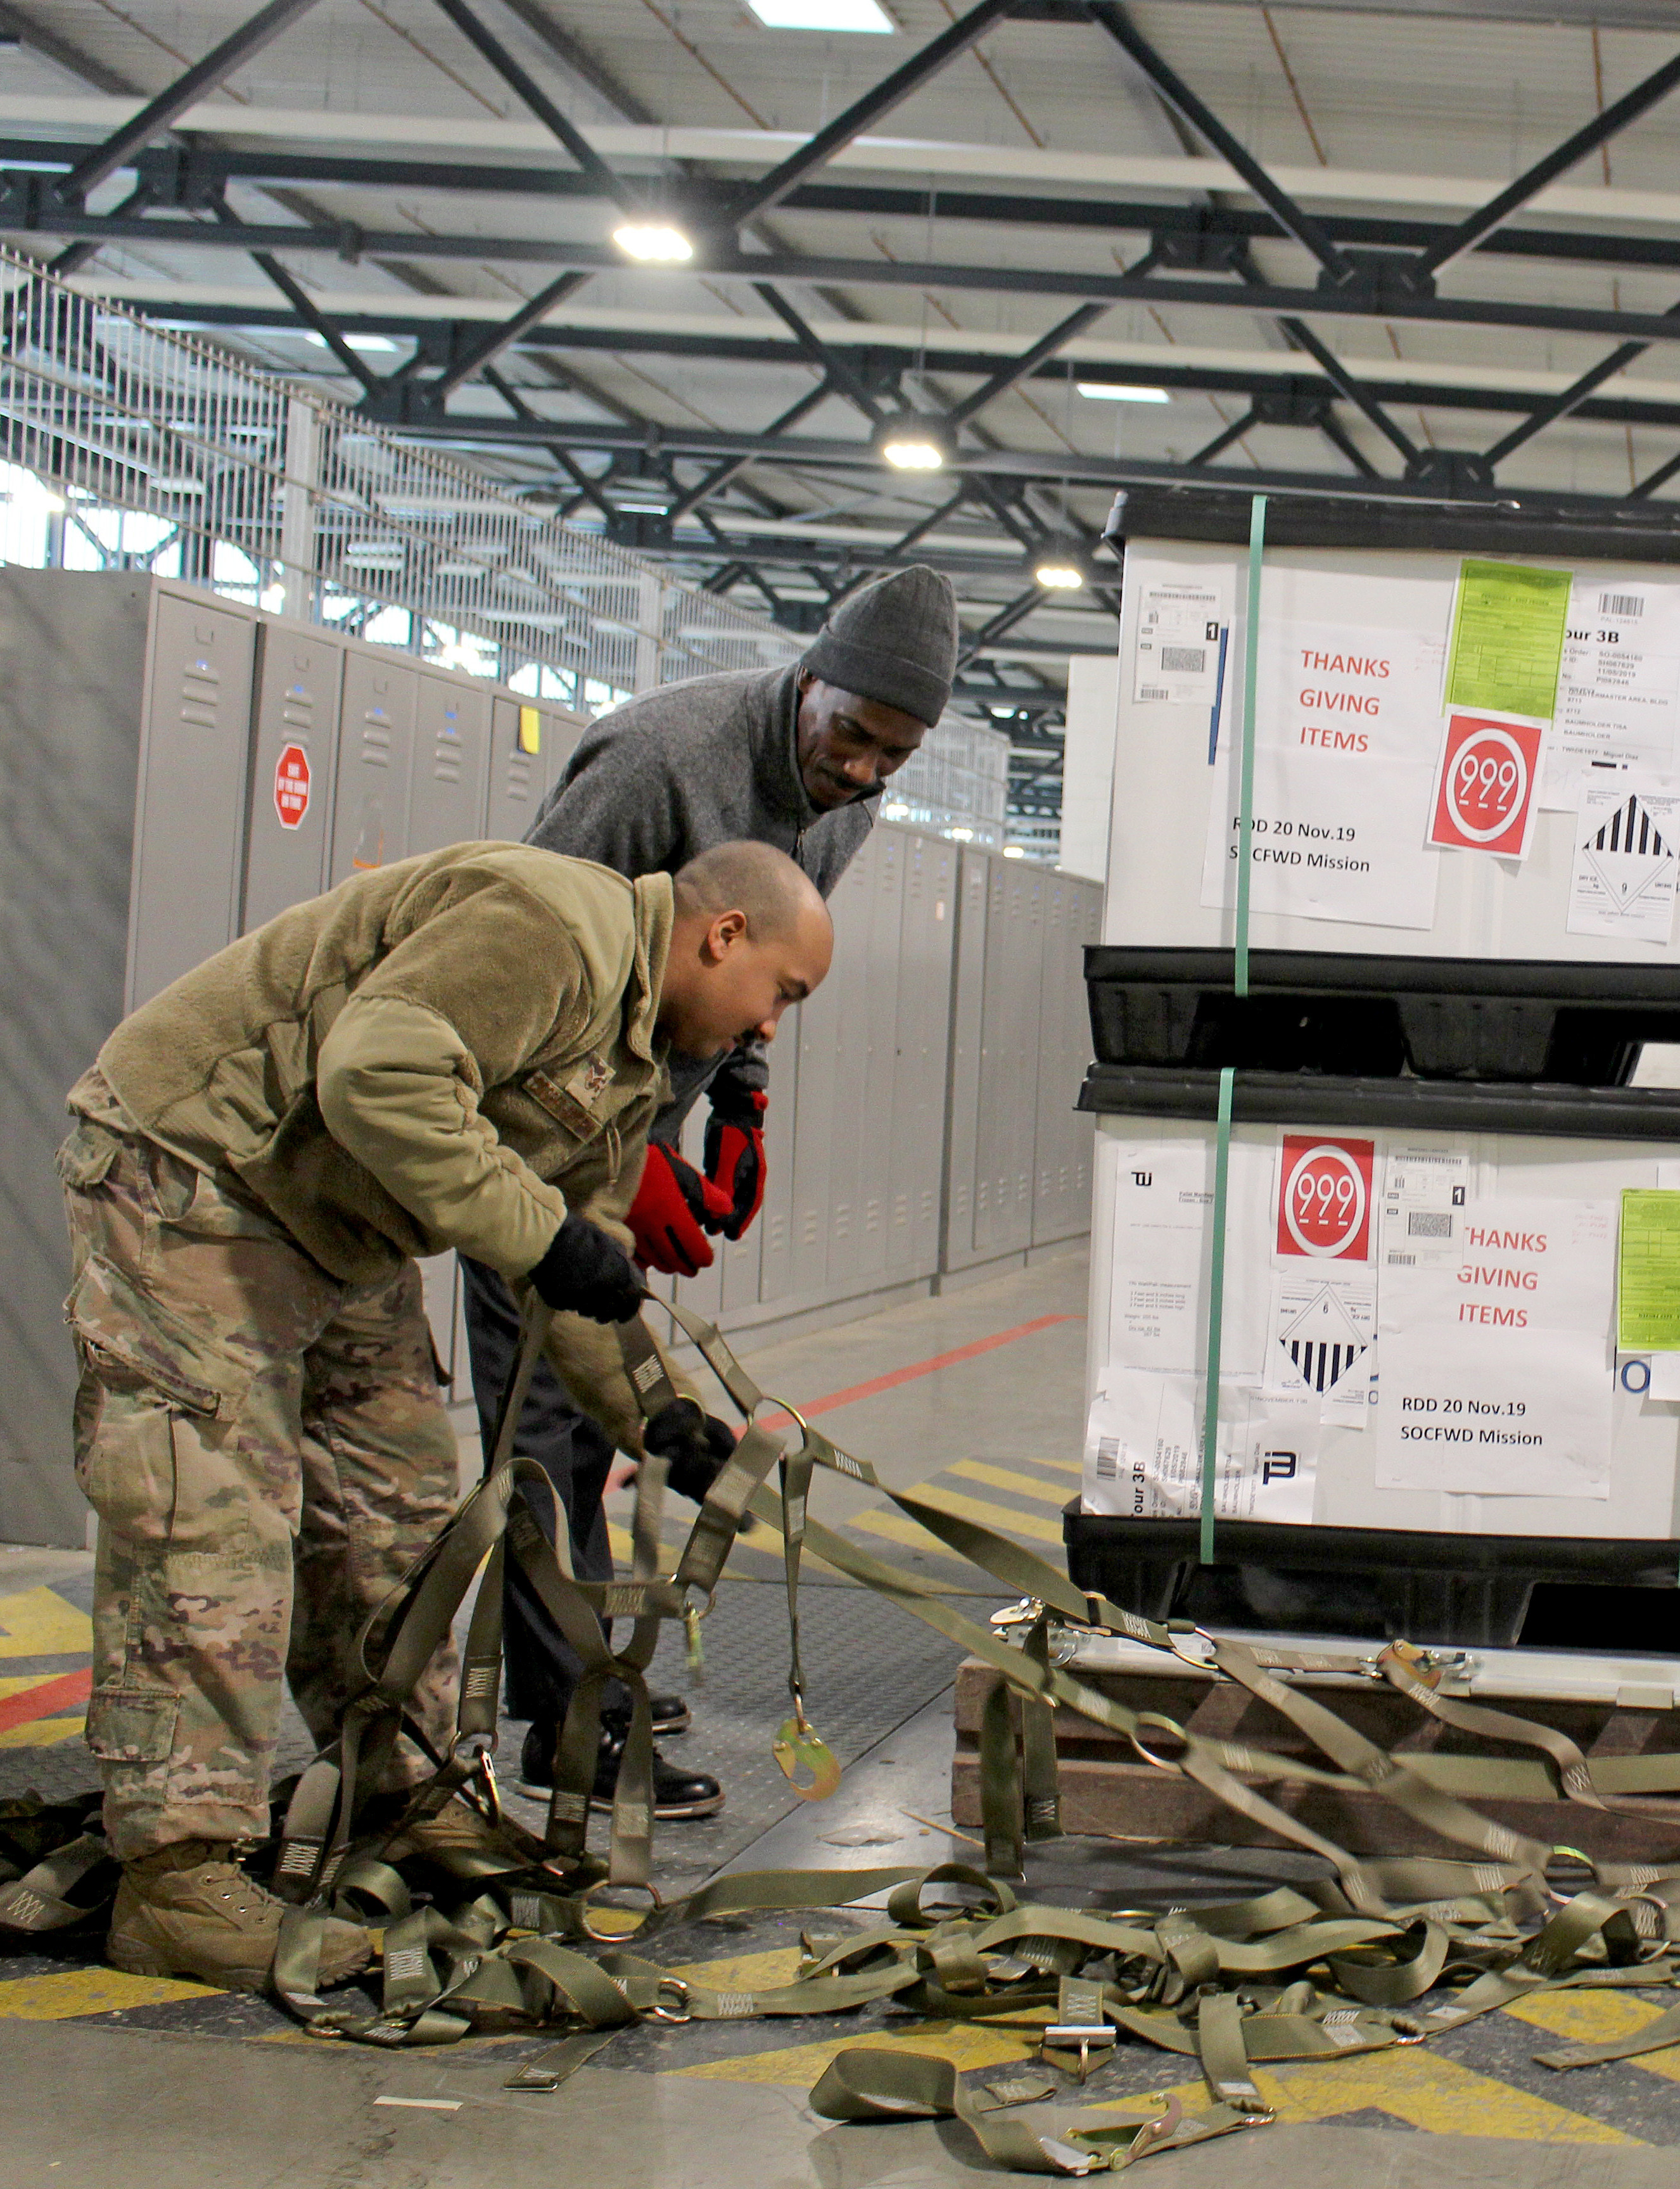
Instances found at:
x=370 y=345
x=654 y=243
x=1060 y=577
x=1112 y=391
x=911 y=444
x=822 y=15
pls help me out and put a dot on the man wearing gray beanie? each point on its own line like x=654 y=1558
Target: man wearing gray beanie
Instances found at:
x=795 y=757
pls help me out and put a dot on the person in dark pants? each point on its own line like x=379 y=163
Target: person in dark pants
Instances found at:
x=792 y=757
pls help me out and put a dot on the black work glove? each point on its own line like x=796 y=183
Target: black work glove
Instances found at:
x=697 y=1445
x=584 y=1272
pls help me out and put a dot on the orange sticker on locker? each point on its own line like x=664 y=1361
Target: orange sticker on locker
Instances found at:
x=530 y=730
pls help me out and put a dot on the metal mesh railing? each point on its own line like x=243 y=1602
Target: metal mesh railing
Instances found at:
x=170 y=454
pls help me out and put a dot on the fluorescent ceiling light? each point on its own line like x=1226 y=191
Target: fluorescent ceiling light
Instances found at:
x=1060 y=577
x=371 y=344
x=821 y=15
x=655 y=243
x=1104 y=391
x=911 y=444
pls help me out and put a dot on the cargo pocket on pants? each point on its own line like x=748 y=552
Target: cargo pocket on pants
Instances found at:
x=129 y=1725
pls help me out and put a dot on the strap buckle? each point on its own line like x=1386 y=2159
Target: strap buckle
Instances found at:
x=680 y=1992
x=612 y=1938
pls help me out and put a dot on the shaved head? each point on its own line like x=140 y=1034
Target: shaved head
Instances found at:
x=751 y=935
x=750 y=878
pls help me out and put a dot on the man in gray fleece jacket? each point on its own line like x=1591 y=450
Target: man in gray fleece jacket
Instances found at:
x=795 y=758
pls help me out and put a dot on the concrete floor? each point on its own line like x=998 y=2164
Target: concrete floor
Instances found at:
x=106 y=2080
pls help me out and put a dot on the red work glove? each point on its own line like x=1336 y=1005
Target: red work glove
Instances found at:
x=735 y=1150
x=672 y=1203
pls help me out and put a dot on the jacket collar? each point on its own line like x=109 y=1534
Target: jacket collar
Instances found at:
x=655 y=912
x=776 y=758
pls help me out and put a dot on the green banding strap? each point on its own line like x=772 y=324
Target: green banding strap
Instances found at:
x=1216 y=1292
x=1251 y=673
x=1655 y=2037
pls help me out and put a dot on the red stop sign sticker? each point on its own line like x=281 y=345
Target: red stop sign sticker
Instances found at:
x=1323 y=1198
x=1485 y=792
x=291 y=786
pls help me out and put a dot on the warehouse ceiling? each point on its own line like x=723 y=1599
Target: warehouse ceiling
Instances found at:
x=1427 y=252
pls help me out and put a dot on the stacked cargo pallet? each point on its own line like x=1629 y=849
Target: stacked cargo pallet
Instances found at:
x=1400 y=1259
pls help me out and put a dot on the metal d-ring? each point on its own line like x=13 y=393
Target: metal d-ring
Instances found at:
x=1174 y=1731
x=675 y=1985
x=611 y=1938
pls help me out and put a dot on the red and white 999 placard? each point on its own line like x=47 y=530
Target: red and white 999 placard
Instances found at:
x=1486 y=786
x=1324 y=1198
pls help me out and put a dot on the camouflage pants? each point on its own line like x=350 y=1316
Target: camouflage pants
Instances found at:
x=267 y=1451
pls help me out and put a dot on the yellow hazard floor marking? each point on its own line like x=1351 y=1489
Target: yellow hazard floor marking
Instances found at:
x=1597 y=2017
x=1005 y=1478
x=1430 y=2091
x=37 y=1622
x=897 y=1530
x=68 y=1993
x=1001 y=1517
x=43 y=1732
x=965 y=2044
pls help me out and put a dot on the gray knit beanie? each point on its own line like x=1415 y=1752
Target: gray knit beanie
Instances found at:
x=894 y=640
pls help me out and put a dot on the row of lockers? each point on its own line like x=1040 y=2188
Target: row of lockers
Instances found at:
x=180 y=768
x=920 y=1119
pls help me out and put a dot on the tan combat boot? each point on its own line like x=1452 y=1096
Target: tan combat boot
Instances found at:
x=188 y=1910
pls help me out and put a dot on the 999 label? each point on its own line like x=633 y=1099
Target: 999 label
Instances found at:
x=1323 y=1198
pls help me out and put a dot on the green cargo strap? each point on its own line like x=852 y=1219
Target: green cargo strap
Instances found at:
x=1245 y=838
x=1655 y=2037
x=869 y=2083
x=1216 y=1306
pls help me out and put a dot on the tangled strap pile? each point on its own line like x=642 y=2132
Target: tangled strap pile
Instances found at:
x=508 y=1932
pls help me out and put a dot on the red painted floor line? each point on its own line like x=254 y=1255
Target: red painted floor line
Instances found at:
x=897 y=1375
x=50 y=1697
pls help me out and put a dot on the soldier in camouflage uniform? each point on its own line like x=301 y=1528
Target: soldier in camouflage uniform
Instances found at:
x=463 y=1049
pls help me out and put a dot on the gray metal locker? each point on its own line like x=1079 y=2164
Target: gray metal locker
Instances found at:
x=917 y=1140
x=968 y=998
x=517 y=776
x=72 y=673
x=189 y=813
x=877 y=1123
x=451 y=762
x=776 y=1218
x=845 y=992
x=294 y=757
x=1053 y=1208
x=375 y=757
x=562 y=732
x=1007 y=1107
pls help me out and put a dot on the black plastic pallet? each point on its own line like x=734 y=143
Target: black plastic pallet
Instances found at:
x=1426 y=1105
x=1370 y=1016
x=1466 y=1591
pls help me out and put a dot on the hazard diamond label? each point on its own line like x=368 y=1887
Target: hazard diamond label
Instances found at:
x=291 y=786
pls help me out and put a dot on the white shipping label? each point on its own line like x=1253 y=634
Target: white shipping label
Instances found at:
x=1178 y=644
x=1163 y=1196
x=1496 y=1367
x=1618 y=687
x=1143 y=1451
x=1426 y=1186
x=1626 y=858
x=1346 y=735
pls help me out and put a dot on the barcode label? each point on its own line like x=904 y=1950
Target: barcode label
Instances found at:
x=1428 y=1224
x=1621 y=604
x=1108 y=1459
x=1402 y=1261
x=1153 y=692
x=1186 y=660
